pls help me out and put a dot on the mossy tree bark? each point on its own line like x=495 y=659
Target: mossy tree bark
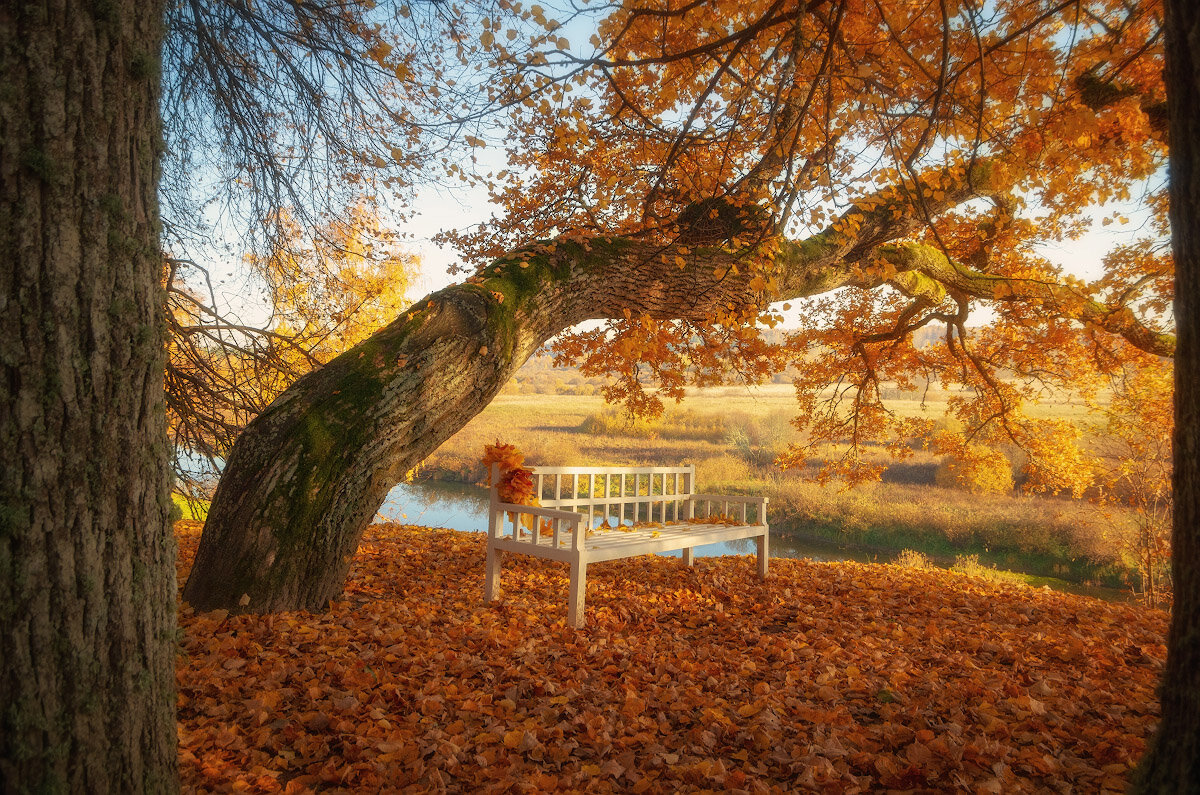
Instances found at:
x=87 y=576
x=1173 y=761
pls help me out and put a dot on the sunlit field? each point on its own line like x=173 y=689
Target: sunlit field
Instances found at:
x=733 y=436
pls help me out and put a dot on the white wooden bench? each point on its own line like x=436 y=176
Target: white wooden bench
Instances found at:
x=591 y=514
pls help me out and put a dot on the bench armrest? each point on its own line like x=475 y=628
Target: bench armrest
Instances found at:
x=574 y=520
x=536 y=510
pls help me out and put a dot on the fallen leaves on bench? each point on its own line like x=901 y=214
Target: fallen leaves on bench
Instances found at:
x=607 y=527
x=829 y=677
x=516 y=482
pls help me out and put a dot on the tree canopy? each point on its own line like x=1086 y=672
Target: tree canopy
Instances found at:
x=933 y=147
x=703 y=160
x=967 y=136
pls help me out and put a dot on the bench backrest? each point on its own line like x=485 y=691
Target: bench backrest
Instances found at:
x=618 y=495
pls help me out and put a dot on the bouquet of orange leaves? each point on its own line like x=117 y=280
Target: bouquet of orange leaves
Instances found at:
x=516 y=482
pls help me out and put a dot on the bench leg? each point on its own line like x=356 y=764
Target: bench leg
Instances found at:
x=491 y=577
x=761 y=542
x=575 y=600
x=688 y=558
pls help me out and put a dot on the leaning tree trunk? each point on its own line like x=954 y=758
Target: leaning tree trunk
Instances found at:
x=1173 y=762
x=308 y=474
x=87 y=577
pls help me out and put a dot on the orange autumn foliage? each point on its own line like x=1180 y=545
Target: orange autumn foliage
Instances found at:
x=972 y=141
x=506 y=455
x=327 y=289
x=828 y=676
x=516 y=482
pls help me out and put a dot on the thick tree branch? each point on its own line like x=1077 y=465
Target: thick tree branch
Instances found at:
x=1058 y=299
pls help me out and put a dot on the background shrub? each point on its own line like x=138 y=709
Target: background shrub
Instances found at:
x=982 y=470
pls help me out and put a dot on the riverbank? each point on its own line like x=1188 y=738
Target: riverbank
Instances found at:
x=463 y=507
x=733 y=435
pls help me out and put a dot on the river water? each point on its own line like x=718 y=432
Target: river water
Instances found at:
x=459 y=506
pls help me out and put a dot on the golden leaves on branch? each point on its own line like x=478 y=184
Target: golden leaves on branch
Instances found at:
x=830 y=677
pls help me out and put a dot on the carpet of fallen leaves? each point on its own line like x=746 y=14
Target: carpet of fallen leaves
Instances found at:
x=827 y=677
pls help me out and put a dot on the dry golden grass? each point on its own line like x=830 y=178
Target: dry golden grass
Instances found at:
x=732 y=435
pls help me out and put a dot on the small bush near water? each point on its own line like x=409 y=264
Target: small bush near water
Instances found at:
x=983 y=470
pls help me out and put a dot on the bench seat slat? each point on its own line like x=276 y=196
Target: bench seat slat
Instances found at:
x=559 y=529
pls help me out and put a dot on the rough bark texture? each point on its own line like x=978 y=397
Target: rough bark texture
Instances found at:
x=1173 y=762
x=87 y=579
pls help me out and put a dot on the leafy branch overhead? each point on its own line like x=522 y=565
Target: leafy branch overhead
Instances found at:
x=964 y=138
x=922 y=154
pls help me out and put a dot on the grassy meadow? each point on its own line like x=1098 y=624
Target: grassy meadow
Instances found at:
x=732 y=435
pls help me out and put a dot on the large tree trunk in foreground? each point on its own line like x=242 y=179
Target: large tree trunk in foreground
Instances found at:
x=1173 y=762
x=87 y=577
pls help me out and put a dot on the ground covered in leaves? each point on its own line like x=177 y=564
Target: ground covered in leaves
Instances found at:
x=827 y=677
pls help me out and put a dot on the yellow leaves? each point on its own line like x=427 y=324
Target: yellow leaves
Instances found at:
x=328 y=289
x=506 y=455
x=410 y=682
x=474 y=141
x=975 y=468
x=516 y=482
x=1003 y=289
